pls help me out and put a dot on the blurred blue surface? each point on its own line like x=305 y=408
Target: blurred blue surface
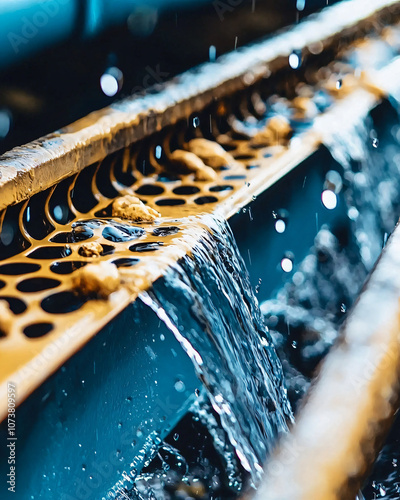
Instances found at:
x=27 y=26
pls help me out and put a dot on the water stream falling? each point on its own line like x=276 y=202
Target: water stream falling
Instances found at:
x=214 y=314
x=305 y=315
x=207 y=302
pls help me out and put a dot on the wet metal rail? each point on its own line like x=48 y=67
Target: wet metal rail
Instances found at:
x=51 y=189
x=92 y=138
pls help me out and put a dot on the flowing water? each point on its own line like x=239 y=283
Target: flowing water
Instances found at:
x=305 y=315
x=207 y=302
x=214 y=314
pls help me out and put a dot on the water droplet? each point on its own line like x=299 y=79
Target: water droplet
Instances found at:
x=343 y=308
x=83 y=467
x=353 y=213
x=219 y=398
x=375 y=142
x=333 y=181
x=300 y=5
x=139 y=432
x=111 y=81
x=280 y=226
x=294 y=344
x=142 y=21
x=158 y=152
x=339 y=84
x=196 y=121
x=5 y=123
x=287 y=265
x=298 y=278
x=264 y=340
x=329 y=199
x=179 y=386
x=119 y=425
x=197 y=392
x=295 y=59
x=176 y=436
x=212 y=52
x=394 y=462
x=58 y=213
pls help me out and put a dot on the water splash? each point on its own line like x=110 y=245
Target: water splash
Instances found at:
x=305 y=315
x=177 y=472
x=214 y=314
x=371 y=175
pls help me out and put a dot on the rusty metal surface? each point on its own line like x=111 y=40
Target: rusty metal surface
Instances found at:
x=43 y=217
x=43 y=335
x=40 y=231
x=34 y=167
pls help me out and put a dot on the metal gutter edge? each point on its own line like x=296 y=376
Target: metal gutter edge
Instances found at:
x=32 y=168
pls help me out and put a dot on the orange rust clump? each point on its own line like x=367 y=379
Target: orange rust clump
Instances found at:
x=280 y=127
x=130 y=207
x=91 y=249
x=210 y=152
x=277 y=131
x=101 y=279
x=186 y=162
